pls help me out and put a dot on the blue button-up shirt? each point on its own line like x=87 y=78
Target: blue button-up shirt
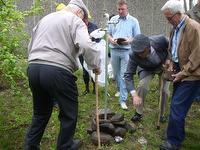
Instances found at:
x=176 y=39
x=123 y=27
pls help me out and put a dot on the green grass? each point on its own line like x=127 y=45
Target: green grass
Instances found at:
x=15 y=116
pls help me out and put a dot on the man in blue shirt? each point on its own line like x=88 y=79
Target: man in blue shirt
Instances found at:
x=121 y=33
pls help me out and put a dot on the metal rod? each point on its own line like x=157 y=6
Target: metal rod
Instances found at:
x=107 y=22
x=106 y=67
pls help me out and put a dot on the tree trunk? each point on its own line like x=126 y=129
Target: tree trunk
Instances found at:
x=190 y=4
x=185 y=5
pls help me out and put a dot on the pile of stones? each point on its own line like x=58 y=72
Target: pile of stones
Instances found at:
x=113 y=128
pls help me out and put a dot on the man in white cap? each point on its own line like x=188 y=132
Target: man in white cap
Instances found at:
x=147 y=57
x=57 y=41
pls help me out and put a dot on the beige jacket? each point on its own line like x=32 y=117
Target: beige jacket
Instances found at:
x=59 y=38
x=189 y=50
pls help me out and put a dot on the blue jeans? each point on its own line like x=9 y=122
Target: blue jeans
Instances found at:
x=182 y=98
x=119 y=61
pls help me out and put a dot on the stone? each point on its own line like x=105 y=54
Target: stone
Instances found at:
x=120 y=132
x=107 y=128
x=105 y=139
x=117 y=118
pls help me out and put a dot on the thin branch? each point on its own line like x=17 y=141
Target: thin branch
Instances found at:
x=190 y=4
x=185 y=5
x=3 y=2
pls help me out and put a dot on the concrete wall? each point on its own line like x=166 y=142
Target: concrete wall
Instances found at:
x=147 y=12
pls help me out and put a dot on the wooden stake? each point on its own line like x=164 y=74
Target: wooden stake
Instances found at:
x=161 y=84
x=97 y=110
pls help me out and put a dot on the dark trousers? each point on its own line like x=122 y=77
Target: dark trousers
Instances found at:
x=48 y=83
x=182 y=98
x=86 y=76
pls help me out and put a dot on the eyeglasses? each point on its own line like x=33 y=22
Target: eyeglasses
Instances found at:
x=170 y=18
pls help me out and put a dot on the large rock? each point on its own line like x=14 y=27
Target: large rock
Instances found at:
x=107 y=128
x=109 y=113
x=117 y=118
x=120 y=124
x=120 y=132
x=101 y=121
x=104 y=138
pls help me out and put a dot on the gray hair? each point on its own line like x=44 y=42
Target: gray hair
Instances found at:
x=174 y=6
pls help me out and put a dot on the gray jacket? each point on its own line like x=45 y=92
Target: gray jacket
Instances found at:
x=152 y=64
x=59 y=38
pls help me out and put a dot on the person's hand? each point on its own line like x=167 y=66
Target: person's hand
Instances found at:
x=168 y=65
x=97 y=71
x=178 y=77
x=127 y=41
x=113 y=41
x=136 y=100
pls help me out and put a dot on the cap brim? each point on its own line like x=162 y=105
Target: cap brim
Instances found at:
x=138 y=49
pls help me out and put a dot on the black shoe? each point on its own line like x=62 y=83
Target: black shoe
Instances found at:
x=163 y=119
x=136 y=117
x=167 y=146
x=76 y=144
x=31 y=147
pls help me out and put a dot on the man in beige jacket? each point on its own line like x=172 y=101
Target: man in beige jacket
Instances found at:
x=184 y=59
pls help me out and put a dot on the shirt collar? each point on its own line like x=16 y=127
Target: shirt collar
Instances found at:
x=123 y=17
x=181 y=23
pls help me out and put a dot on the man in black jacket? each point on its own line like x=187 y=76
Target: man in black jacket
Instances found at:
x=148 y=55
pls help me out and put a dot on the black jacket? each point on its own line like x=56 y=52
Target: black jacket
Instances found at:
x=149 y=65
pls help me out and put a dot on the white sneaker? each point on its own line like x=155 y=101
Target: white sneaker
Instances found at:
x=117 y=94
x=123 y=105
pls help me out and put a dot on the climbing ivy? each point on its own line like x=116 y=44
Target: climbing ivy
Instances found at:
x=12 y=39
